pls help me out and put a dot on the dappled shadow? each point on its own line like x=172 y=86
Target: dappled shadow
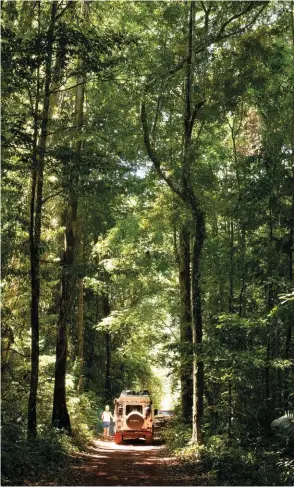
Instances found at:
x=132 y=463
x=136 y=464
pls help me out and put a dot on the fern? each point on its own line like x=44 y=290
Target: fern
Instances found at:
x=284 y=426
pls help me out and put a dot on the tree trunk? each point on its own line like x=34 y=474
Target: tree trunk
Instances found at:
x=185 y=191
x=186 y=340
x=291 y=235
x=230 y=408
x=80 y=310
x=193 y=203
x=198 y=364
x=36 y=220
x=108 y=382
x=79 y=116
x=231 y=287
x=270 y=304
x=291 y=244
x=81 y=332
x=60 y=416
x=242 y=295
x=287 y=370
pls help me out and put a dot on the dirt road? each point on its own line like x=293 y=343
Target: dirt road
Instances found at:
x=128 y=464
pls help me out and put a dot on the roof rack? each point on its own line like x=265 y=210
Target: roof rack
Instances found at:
x=131 y=392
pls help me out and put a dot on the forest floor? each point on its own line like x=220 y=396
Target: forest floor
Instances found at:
x=136 y=464
x=106 y=463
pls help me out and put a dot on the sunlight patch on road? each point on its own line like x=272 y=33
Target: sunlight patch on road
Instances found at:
x=108 y=446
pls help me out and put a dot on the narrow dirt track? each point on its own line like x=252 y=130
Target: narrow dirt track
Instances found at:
x=129 y=464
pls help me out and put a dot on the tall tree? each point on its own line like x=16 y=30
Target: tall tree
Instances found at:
x=184 y=186
x=39 y=149
x=184 y=263
x=184 y=189
x=60 y=416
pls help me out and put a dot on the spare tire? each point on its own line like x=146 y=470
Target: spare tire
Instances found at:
x=135 y=421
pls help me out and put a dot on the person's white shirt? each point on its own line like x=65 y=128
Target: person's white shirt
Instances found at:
x=106 y=416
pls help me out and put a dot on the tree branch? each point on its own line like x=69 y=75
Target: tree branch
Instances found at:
x=62 y=11
x=63 y=129
x=70 y=87
x=156 y=114
x=22 y=384
x=175 y=187
x=178 y=66
x=235 y=17
x=51 y=196
x=15 y=351
x=50 y=262
x=221 y=36
x=241 y=30
x=195 y=112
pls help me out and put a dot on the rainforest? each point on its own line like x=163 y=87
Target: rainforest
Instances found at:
x=148 y=239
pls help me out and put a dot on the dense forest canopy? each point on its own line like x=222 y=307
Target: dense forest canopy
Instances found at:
x=148 y=214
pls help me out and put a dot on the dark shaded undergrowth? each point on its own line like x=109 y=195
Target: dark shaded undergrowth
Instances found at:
x=224 y=461
x=45 y=461
x=49 y=459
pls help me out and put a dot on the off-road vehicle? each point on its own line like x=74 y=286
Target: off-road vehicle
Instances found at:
x=133 y=415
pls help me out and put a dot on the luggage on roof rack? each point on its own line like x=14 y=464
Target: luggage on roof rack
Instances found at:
x=131 y=392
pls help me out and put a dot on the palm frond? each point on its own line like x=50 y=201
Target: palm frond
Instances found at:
x=284 y=426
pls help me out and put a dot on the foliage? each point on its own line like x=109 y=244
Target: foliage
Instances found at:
x=222 y=461
x=129 y=224
x=51 y=457
x=284 y=427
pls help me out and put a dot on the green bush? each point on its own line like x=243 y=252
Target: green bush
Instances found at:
x=222 y=461
x=23 y=461
x=176 y=435
x=235 y=464
x=49 y=457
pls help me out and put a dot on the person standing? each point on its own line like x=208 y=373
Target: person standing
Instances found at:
x=106 y=417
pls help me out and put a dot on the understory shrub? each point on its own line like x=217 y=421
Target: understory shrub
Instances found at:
x=51 y=455
x=223 y=461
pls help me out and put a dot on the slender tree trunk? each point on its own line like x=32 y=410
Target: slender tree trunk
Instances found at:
x=185 y=325
x=198 y=364
x=108 y=382
x=291 y=239
x=81 y=332
x=270 y=304
x=242 y=297
x=230 y=408
x=36 y=220
x=80 y=310
x=184 y=190
x=79 y=117
x=60 y=416
x=287 y=370
x=231 y=310
x=291 y=243
x=292 y=157
x=35 y=288
x=193 y=203
x=231 y=289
